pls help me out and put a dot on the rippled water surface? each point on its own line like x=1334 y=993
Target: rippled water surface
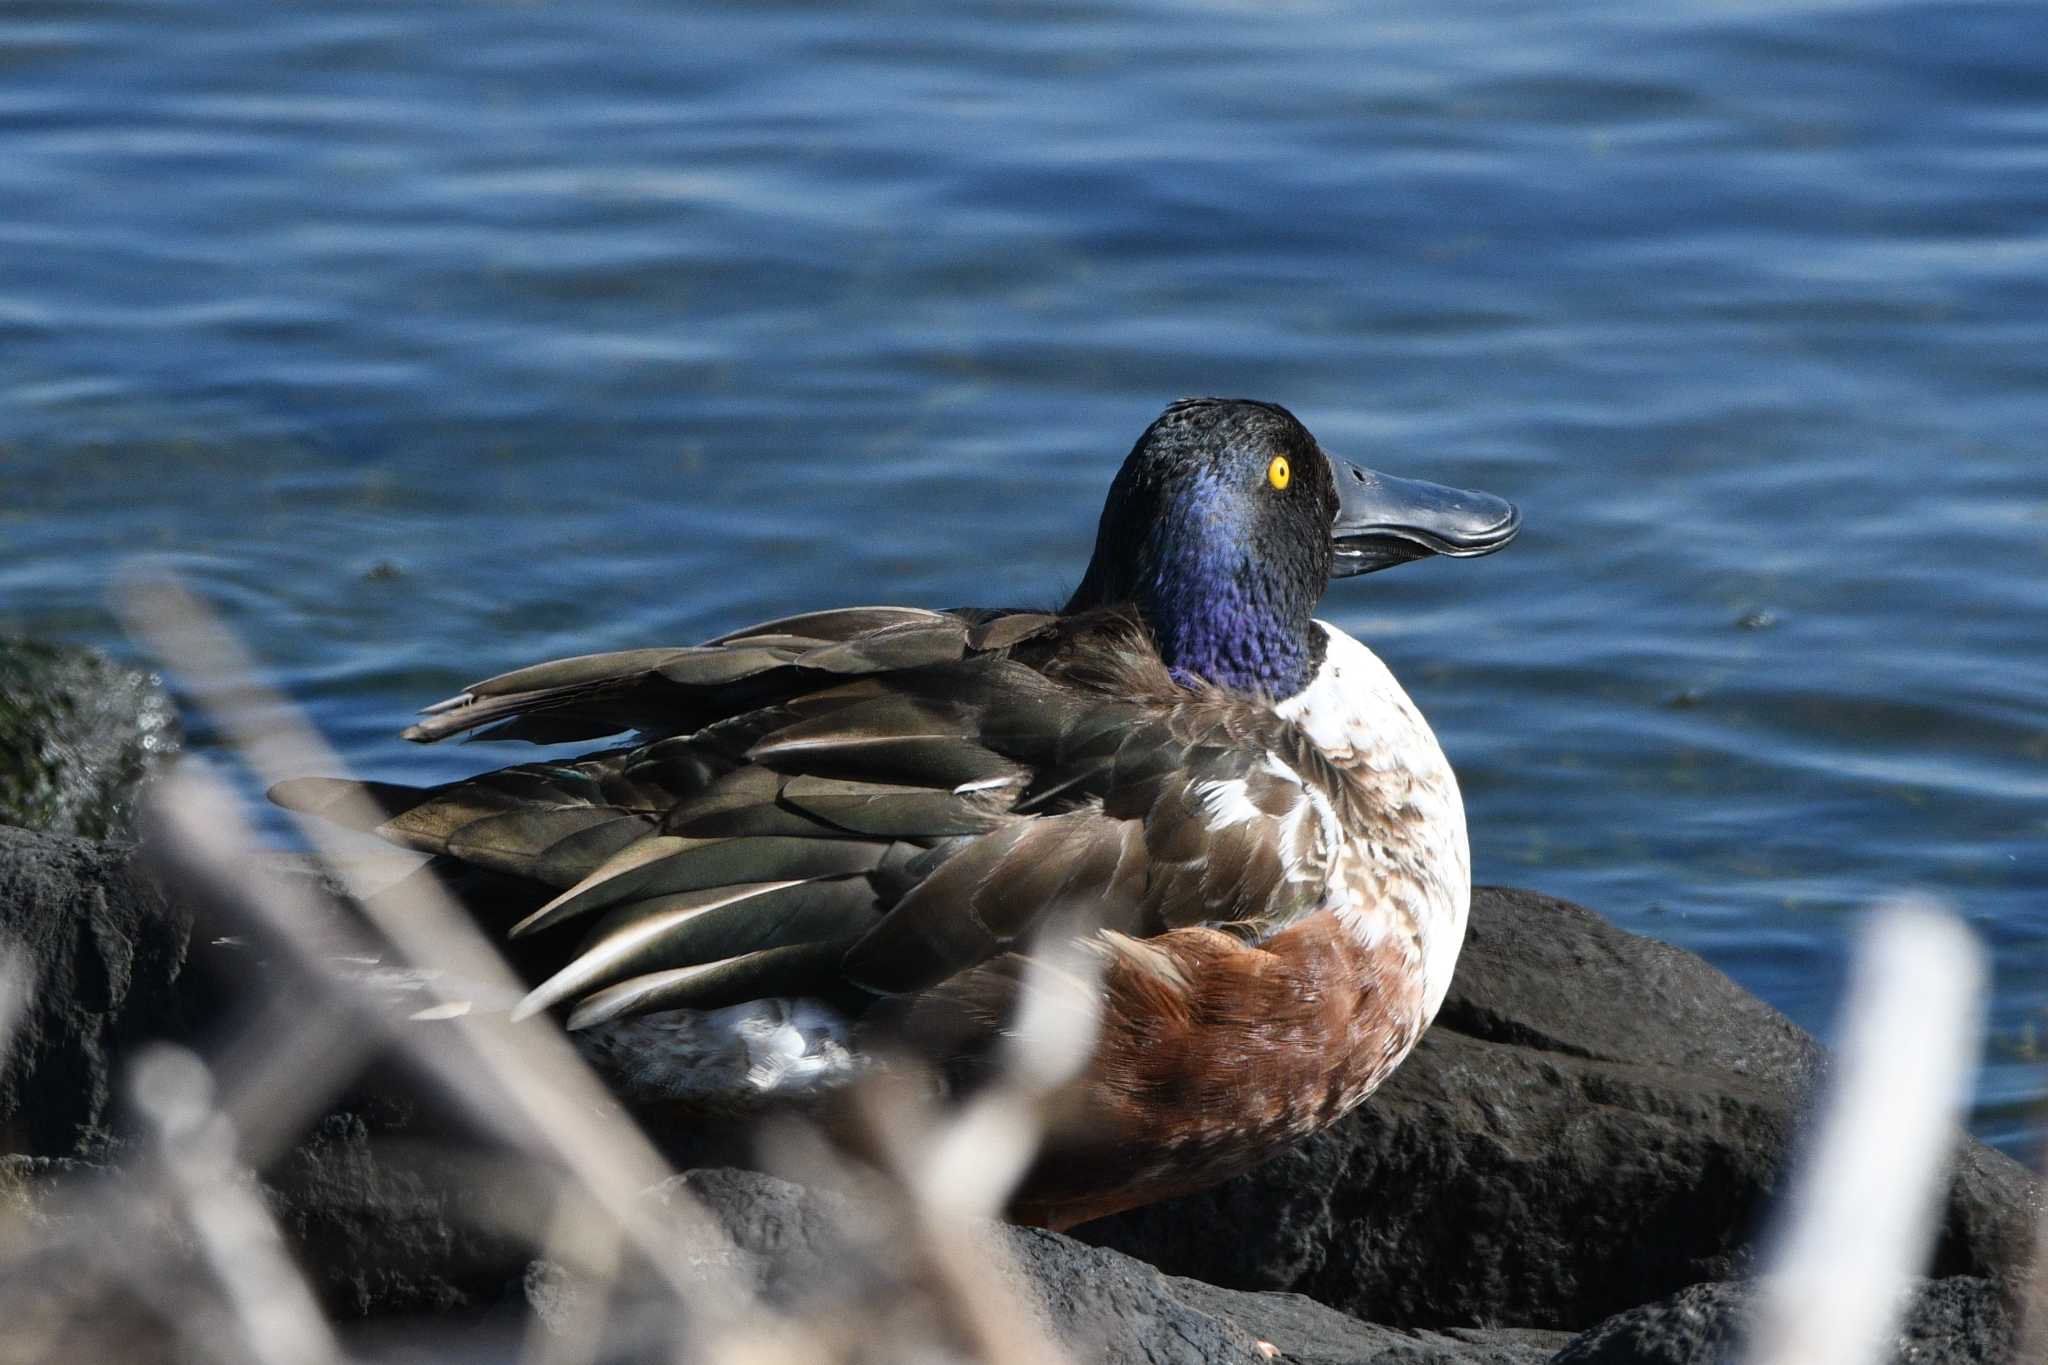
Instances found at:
x=434 y=338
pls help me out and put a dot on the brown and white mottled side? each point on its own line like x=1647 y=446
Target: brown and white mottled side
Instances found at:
x=1412 y=866
x=1278 y=892
x=1217 y=1052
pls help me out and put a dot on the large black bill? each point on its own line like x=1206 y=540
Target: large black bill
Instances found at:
x=1383 y=521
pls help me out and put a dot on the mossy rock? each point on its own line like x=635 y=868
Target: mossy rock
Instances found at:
x=79 y=736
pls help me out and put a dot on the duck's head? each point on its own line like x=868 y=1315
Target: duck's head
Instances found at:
x=1228 y=520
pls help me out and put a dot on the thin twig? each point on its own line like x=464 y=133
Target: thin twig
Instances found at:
x=1860 y=1219
x=281 y=1323
x=533 y=1067
x=17 y=984
x=589 y=1249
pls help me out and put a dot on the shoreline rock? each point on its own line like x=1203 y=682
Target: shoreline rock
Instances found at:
x=1593 y=1127
x=1595 y=1121
x=80 y=736
x=1101 y=1305
x=105 y=948
x=1960 y=1318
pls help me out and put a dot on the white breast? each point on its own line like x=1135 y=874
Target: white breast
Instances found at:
x=1415 y=856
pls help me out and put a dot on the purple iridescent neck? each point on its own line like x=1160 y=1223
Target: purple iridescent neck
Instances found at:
x=1219 y=609
x=1232 y=638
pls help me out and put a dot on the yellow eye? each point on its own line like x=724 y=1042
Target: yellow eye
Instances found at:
x=1279 y=472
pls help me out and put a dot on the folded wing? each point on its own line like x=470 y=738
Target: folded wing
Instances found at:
x=862 y=804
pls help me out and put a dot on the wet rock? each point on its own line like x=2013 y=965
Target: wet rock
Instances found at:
x=1962 y=1320
x=79 y=737
x=1596 y=1121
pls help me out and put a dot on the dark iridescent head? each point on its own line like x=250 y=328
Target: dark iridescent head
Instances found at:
x=1226 y=523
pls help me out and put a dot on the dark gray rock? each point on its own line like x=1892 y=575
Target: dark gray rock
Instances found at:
x=105 y=948
x=1595 y=1121
x=809 y=1253
x=1103 y=1306
x=1309 y=1333
x=387 y=1218
x=1958 y=1321
x=374 y=1197
x=79 y=736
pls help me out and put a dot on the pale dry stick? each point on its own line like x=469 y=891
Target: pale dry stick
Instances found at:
x=79 y=1218
x=279 y=1075
x=1000 y=1329
x=918 y=1273
x=15 y=986
x=281 y=1072
x=975 y=1162
x=239 y=1240
x=277 y=1079
x=535 y=1068
x=1860 y=1219
x=591 y=1248
x=274 y=1082
x=17 y=983
x=915 y=1228
x=964 y=1168
x=118 y=1239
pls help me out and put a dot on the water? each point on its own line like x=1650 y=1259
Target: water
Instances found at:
x=430 y=339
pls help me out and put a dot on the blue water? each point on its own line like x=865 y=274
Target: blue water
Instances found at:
x=428 y=339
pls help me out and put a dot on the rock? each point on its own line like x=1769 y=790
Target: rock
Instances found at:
x=119 y=950
x=1596 y=1120
x=1101 y=1305
x=388 y=1218
x=104 y=947
x=1962 y=1320
x=28 y=1185
x=1311 y=1334
x=79 y=736
x=377 y=1203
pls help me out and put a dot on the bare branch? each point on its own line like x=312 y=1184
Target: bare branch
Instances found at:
x=558 y=1101
x=1860 y=1219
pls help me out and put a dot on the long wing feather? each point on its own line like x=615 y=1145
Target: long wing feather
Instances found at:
x=686 y=687
x=870 y=800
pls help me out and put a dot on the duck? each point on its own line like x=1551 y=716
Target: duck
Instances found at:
x=830 y=836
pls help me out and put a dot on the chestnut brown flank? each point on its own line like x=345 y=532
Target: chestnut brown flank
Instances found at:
x=1214 y=1053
